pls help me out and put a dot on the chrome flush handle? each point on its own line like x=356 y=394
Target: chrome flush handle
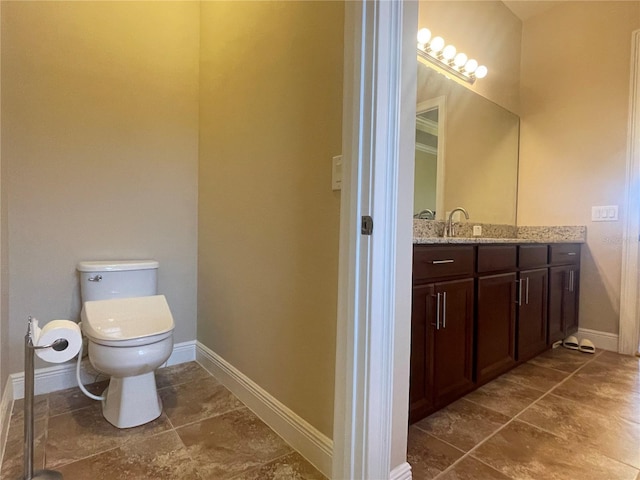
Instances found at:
x=97 y=278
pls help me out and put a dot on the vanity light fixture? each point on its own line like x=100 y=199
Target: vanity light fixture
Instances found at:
x=435 y=51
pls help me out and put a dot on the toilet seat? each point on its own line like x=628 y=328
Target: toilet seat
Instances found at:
x=132 y=342
x=126 y=322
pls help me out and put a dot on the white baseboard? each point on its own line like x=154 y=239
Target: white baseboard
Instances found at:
x=602 y=340
x=6 y=405
x=316 y=447
x=401 y=472
x=59 y=377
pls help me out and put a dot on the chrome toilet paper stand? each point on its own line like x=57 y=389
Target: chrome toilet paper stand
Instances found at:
x=29 y=350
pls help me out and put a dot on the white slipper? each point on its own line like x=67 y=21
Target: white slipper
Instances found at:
x=571 y=343
x=586 y=346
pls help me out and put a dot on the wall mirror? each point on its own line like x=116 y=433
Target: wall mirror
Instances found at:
x=466 y=152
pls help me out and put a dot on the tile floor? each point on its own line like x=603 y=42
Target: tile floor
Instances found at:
x=204 y=433
x=564 y=415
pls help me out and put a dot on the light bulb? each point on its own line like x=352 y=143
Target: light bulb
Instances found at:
x=424 y=35
x=481 y=71
x=460 y=59
x=449 y=52
x=437 y=44
x=470 y=66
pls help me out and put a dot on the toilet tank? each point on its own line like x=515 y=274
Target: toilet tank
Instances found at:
x=105 y=280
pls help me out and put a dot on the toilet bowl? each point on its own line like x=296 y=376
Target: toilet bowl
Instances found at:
x=128 y=339
x=129 y=331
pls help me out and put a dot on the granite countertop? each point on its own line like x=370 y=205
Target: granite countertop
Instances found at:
x=430 y=232
x=476 y=240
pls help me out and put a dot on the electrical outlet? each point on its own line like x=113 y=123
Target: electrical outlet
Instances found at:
x=477 y=230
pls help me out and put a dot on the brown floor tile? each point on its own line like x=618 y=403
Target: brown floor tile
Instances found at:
x=610 y=398
x=534 y=376
x=181 y=373
x=462 y=424
x=81 y=433
x=194 y=401
x=625 y=361
x=231 y=444
x=471 y=469
x=622 y=377
x=613 y=436
x=13 y=461
x=562 y=359
x=290 y=467
x=524 y=452
x=161 y=456
x=65 y=401
x=504 y=396
x=40 y=409
x=429 y=456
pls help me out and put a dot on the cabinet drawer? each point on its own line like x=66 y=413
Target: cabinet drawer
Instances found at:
x=493 y=258
x=531 y=256
x=564 y=253
x=437 y=262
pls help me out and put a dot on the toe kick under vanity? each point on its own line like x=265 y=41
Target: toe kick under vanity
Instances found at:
x=482 y=307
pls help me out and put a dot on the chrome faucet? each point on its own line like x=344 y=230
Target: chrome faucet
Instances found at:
x=426 y=215
x=450 y=227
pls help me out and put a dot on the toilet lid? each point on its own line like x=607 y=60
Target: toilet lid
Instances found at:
x=126 y=318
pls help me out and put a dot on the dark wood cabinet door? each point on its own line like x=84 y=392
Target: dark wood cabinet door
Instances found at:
x=564 y=285
x=421 y=366
x=453 y=341
x=441 y=345
x=570 y=301
x=532 y=313
x=496 y=322
x=558 y=278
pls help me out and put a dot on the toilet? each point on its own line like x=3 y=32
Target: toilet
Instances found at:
x=129 y=330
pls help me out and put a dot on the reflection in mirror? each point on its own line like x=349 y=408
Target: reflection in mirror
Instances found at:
x=428 y=194
x=479 y=153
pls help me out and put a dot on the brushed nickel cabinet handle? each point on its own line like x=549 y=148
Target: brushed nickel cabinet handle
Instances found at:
x=519 y=288
x=440 y=262
x=437 y=324
x=444 y=310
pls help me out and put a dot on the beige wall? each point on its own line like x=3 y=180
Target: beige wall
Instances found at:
x=487 y=31
x=575 y=94
x=99 y=150
x=4 y=260
x=271 y=106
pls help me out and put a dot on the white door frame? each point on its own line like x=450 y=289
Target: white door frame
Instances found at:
x=374 y=300
x=629 y=333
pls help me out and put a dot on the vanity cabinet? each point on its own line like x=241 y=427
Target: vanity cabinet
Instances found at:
x=480 y=310
x=564 y=287
x=533 y=288
x=441 y=328
x=495 y=311
x=532 y=313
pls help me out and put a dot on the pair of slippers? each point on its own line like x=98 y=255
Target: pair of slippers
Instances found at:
x=584 y=345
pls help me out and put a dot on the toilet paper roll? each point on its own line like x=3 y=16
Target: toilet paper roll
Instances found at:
x=52 y=331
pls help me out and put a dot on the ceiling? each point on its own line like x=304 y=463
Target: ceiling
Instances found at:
x=525 y=9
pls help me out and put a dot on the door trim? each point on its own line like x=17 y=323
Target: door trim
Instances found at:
x=629 y=320
x=374 y=298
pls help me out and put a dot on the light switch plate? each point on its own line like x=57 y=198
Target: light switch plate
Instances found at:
x=336 y=173
x=606 y=213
